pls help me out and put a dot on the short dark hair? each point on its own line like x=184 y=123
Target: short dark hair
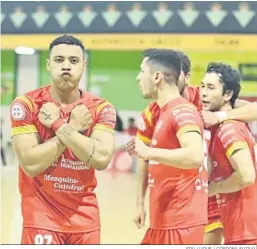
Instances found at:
x=229 y=77
x=66 y=39
x=186 y=63
x=166 y=58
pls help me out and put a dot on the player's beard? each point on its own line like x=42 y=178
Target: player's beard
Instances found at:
x=149 y=92
x=152 y=94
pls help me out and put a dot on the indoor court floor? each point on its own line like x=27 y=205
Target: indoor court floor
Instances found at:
x=116 y=194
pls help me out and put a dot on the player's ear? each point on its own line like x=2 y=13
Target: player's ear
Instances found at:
x=228 y=95
x=85 y=64
x=187 y=77
x=48 y=65
x=157 y=77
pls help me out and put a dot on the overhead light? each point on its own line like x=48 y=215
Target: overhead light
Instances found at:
x=25 y=50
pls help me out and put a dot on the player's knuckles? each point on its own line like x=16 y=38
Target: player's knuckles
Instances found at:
x=50 y=106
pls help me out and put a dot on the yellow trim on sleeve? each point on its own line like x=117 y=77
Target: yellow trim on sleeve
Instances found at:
x=213 y=226
x=144 y=139
x=27 y=101
x=236 y=146
x=23 y=130
x=148 y=115
x=103 y=128
x=188 y=128
x=102 y=105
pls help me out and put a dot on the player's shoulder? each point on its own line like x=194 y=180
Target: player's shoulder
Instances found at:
x=95 y=102
x=151 y=112
x=230 y=128
x=38 y=93
x=28 y=99
x=183 y=105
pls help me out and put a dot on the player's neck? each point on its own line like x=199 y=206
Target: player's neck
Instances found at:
x=167 y=94
x=64 y=97
x=226 y=107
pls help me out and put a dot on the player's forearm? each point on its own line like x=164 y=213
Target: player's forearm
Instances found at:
x=60 y=147
x=142 y=181
x=232 y=184
x=182 y=158
x=86 y=149
x=244 y=113
x=37 y=159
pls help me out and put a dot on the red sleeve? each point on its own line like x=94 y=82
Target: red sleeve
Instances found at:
x=105 y=117
x=232 y=138
x=145 y=130
x=21 y=115
x=186 y=119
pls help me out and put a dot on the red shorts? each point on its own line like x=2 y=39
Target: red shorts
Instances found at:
x=33 y=236
x=214 y=220
x=243 y=242
x=183 y=236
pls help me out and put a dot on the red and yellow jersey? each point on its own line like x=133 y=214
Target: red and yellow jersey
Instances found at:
x=150 y=115
x=62 y=197
x=178 y=198
x=147 y=123
x=239 y=209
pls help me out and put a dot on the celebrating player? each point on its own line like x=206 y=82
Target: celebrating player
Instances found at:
x=61 y=134
x=176 y=178
x=233 y=158
x=146 y=126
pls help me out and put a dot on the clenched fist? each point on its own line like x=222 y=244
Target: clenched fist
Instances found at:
x=209 y=118
x=138 y=148
x=139 y=218
x=80 y=118
x=48 y=113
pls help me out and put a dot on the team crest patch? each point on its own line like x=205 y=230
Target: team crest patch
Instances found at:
x=18 y=112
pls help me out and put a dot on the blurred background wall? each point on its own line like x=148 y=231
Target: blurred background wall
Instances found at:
x=115 y=34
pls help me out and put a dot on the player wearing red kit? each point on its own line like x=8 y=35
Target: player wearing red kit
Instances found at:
x=61 y=135
x=146 y=126
x=176 y=179
x=233 y=158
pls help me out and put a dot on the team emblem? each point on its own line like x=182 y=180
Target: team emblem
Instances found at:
x=18 y=112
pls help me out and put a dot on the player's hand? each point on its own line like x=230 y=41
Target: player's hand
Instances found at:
x=209 y=118
x=48 y=113
x=213 y=187
x=138 y=148
x=80 y=118
x=140 y=215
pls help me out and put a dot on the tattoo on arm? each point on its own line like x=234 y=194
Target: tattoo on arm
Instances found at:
x=48 y=116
